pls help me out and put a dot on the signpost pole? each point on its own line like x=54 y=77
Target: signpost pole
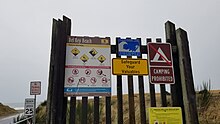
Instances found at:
x=34 y=116
x=35 y=89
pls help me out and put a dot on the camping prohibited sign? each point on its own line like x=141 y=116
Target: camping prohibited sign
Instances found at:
x=160 y=63
x=88 y=66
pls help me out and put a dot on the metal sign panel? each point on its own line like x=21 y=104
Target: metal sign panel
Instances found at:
x=128 y=47
x=35 y=88
x=88 y=66
x=124 y=66
x=29 y=107
x=160 y=63
x=165 y=115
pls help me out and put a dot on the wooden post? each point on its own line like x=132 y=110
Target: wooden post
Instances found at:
x=57 y=103
x=176 y=89
x=189 y=96
x=96 y=110
x=51 y=85
x=119 y=91
x=152 y=89
x=108 y=109
x=72 y=110
x=131 y=99
x=84 y=110
x=162 y=87
x=141 y=93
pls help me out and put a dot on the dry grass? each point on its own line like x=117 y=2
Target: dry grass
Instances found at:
x=6 y=110
x=209 y=116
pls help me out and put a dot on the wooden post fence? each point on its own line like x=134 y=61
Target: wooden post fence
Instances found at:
x=182 y=92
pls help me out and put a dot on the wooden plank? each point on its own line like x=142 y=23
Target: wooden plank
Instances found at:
x=162 y=87
x=141 y=94
x=66 y=29
x=131 y=99
x=119 y=91
x=51 y=85
x=189 y=95
x=152 y=89
x=72 y=118
x=96 y=110
x=108 y=109
x=84 y=110
x=176 y=89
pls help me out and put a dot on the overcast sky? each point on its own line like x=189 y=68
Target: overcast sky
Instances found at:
x=26 y=25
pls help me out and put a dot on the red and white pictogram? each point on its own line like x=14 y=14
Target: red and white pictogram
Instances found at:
x=104 y=80
x=75 y=71
x=88 y=71
x=82 y=80
x=93 y=80
x=70 y=80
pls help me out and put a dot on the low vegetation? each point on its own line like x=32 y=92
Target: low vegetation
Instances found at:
x=6 y=110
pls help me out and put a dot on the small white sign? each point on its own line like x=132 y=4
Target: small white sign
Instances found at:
x=35 y=88
x=29 y=107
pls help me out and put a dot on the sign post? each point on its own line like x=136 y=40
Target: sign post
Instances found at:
x=160 y=63
x=35 y=89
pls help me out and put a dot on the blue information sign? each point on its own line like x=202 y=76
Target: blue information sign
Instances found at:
x=128 y=47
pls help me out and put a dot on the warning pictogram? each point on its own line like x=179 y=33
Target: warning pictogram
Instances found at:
x=160 y=63
x=84 y=58
x=100 y=72
x=75 y=71
x=101 y=58
x=87 y=71
x=93 y=52
x=93 y=80
x=70 y=80
x=75 y=51
x=104 y=80
x=82 y=80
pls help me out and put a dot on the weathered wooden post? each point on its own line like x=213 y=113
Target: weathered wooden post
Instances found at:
x=141 y=89
x=119 y=90
x=56 y=102
x=176 y=89
x=189 y=96
x=162 y=87
x=152 y=88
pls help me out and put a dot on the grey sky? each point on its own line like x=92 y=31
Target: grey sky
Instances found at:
x=25 y=34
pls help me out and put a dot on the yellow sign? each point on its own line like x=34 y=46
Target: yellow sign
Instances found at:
x=165 y=115
x=101 y=58
x=125 y=66
x=84 y=57
x=75 y=51
x=93 y=52
x=104 y=41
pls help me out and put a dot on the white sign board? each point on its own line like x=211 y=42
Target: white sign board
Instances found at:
x=35 y=88
x=88 y=67
x=29 y=107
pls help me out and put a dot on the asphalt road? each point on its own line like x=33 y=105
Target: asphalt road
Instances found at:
x=8 y=119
